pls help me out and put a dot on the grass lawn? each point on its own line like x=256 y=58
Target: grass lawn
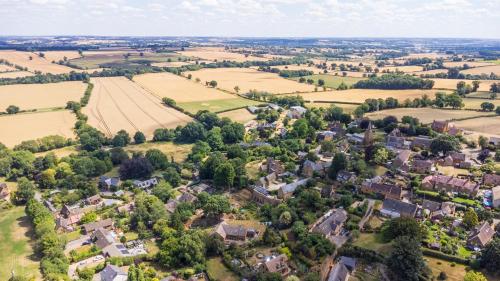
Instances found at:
x=218 y=271
x=70 y=236
x=17 y=253
x=373 y=241
x=216 y=105
x=331 y=81
x=131 y=236
x=454 y=273
x=452 y=171
x=252 y=169
x=468 y=202
x=178 y=151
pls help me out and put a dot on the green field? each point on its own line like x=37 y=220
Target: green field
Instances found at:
x=331 y=81
x=218 y=271
x=17 y=253
x=216 y=105
x=373 y=241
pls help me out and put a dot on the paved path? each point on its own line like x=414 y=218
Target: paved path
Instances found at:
x=368 y=213
x=71 y=245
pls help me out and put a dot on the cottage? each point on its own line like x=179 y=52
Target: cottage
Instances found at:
x=112 y=273
x=146 y=183
x=68 y=218
x=253 y=109
x=345 y=176
x=109 y=182
x=331 y=223
x=296 y=112
x=187 y=197
x=116 y=250
x=481 y=235
x=93 y=200
x=422 y=166
x=309 y=168
x=4 y=191
x=233 y=233
x=395 y=140
x=287 y=191
x=102 y=238
x=342 y=269
x=440 y=126
x=421 y=142
x=495 y=196
x=356 y=138
x=272 y=166
x=325 y=136
x=127 y=208
x=382 y=189
x=338 y=128
x=261 y=196
x=278 y=264
x=436 y=210
x=450 y=184
x=401 y=161
x=171 y=205
x=395 y=208
x=273 y=106
x=491 y=179
x=199 y=188
x=106 y=224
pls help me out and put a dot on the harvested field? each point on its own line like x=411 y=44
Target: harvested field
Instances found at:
x=117 y=103
x=469 y=63
x=451 y=84
x=433 y=71
x=218 y=54
x=36 y=63
x=425 y=115
x=131 y=58
x=360 y=95
x=241 y=115
x=485 y=125
x=172 y=64
x=471 y=103
x=348 y=73
x=483 y=70
x=249 y=79
x=35 y=125
x=217 y=105
x=403 y=68
x=59 y=55
x=32 y=96
x=15 y=74
x=5 y=68
x=178 y=88
x=426 y=55
x=314 y=69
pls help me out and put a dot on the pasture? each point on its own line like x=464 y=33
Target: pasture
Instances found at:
x=117 y=104
x=122 y=58
x=217 y=105
x=331 y=81
x=29 y=126
x=32 y=96
x=218 y=54
x=451 y=84
x=472 y=103
x=15 y=246
x=360 y=95
x=178 y=88
x=241 y=115
x=485 y=125
x=425 y=115
x=483 y=70
x=178 y=151
x=34 y=62
x=249 y=79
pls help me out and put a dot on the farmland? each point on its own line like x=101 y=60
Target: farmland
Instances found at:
x=360 y=95
x=485 y=69
x=469 y=63
x=348 y=108
x=178 y=88
x=217 y=105
x=118 y=103
x=249 y=79
x=34 y=62
x=218 y=54
x=35 y=125
x=241 y=115
x=451 y=84
x=32 y=96
x=57 y=56
x=15 y=74
x=17 y=252
x=124 y=58
x=331 y=81
x=425 y=115
x=471 y=103
x=486 y=125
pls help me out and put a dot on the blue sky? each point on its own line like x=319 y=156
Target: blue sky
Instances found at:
x=266 y=18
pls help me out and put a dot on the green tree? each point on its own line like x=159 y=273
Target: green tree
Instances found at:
x=121 y=139
x=224 y=175
x=172 y=176
x=214 y=138
x=12 y=109
x=475 y=85
x=139 y=138
x=213 y=83
x=163 y=190
x=233 y=132
x=487 y=106
x=339 y=162
x=25 y=190
x=406 y=261
x=444 y=144
x=157 y=158
x=470 y=219
x=285 y=218
x=216 y=205
x=402 y=226
x=301 y=128
x=474 y=276
x=381 y=156
x=490 y=256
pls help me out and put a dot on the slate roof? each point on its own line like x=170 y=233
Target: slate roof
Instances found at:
x=92 y=226
x=400 y=207
x=112 y=273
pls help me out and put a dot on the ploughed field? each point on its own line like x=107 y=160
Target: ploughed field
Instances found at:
x=117 y=103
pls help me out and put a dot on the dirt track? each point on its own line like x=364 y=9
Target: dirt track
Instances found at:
x=117 y=103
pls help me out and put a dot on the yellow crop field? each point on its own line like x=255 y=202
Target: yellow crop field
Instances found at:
x=469 y=63
x=60 y=55
x=314 y=69
x=425 y=115
x=6 y=68
x=485 y=125
x=403 y=68
x=33 y=62
x=451 y=84
x=117 y=104
x=32 y=96
x=472 y=103
x=241 y=115
x=21 y=127
x=218 y=54
x=360 y=95
x=15 y=74
x=172 y=64
x=178 y=88
x=485 y=69
x=249 y=79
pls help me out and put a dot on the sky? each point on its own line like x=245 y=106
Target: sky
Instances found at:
x=253 y=18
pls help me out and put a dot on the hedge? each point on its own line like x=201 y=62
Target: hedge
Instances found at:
x=441 y=255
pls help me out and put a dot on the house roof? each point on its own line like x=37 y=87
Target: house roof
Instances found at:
x=496 y=192
x=112 y=273
x=224 y=229
x=422 y=163
x=386 y=189
x=92 y=226
x=103 y=238
x=431 y=205
x=483 y=233
x=187 y=197
x=291 y=187
x=276 y=264
x=491 y=179
x=336 y=219
x=339 y=272
x=116 y=250
x=349 y=262
x=439 y=125
x=400 y=207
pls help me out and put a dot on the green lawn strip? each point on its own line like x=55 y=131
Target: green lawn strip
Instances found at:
x=217 y=105
x=373 y=241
